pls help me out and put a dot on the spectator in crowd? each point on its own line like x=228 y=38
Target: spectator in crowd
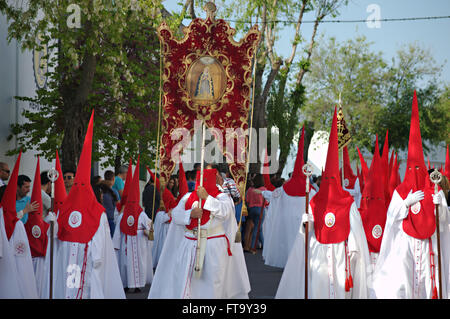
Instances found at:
x=110 y=198
x=229 y=186
x=119 y=181
x=319 y=179
x=197 y=167
x=46 y=189
x=69 y=177
x=147 y=198
x=4 y=173
x=190 y=180
x=22 y=199
x=98 y=193
x=255 y=205
x=172 y=185
x=96 y=180
x=2 y=190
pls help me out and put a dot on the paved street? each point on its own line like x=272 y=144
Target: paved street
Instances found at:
x=263 y=279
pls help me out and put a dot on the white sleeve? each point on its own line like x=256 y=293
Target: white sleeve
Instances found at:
x=267 y=195
x=180 y=215
x=220 y=207
x=98 y=242
x=307 y=218
x=145 y=221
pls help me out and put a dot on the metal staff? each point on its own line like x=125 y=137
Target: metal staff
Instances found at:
x=307 y=170
x=52 y=175
x=151 y=235
x=436 y=178
x=198 y=266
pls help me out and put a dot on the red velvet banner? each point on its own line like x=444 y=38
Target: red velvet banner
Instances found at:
x=207 y=76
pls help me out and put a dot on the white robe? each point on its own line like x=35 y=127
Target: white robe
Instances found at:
x=9 y=277
x=326 y=274
x=281 y=225
x=403 y=266
x=223 y=276
x=99 y=280
x=40 y=269
x=134 y=254
x=161 y=228
x=24 y=263
x=39 y=273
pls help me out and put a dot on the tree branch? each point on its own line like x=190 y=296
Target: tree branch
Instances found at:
x=297 y=32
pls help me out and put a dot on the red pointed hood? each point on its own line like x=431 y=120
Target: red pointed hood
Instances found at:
x=35 y=227
x=126 y=187
x=376 y=167
x=331 y=205
x=349 y=176
x=394 y=177
x=8 y=202
x=80 y=214
x=210 y=184
x=420 y=221
x=132 y=210
x=415 y=159
x=182 y=182
x=60 y=190
x=373 y=206
x=267 y=183
x=296 y=185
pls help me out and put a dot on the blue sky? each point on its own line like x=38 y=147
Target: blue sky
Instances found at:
x=391 y=36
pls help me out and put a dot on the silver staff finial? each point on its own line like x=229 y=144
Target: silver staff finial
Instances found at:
x=307 y=169
x=52 y=175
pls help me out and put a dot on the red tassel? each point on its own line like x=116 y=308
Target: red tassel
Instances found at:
x=350 y=281
x=435 y=293
x=347 y=287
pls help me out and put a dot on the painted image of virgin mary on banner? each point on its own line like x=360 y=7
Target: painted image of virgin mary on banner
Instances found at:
x=205 y=85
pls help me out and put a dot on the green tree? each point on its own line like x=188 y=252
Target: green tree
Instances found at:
x=285 y=119
x=414 y=69
x=375 y=95
x=443 y=106
x=103 y=55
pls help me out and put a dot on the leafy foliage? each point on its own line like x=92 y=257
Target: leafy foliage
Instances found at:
x=376 y=95
x=108 y=62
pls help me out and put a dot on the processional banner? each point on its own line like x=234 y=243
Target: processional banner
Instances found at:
x=207 y=76
x=344 y=136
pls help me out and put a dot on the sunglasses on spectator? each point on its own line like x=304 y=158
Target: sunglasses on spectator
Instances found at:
x=5 y=170
x=68 y=177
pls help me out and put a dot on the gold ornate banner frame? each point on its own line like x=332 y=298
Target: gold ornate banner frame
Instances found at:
x=207 y=76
